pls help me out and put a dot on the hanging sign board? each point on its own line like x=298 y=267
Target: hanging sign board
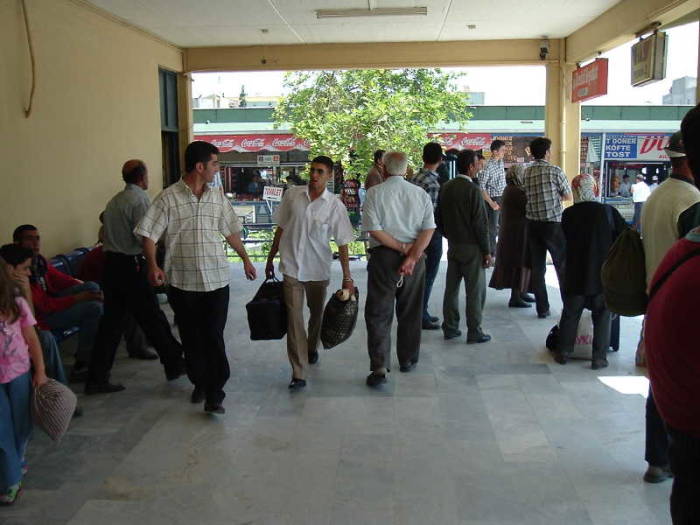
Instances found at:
x=590 y=81
x=649 y=59
x=273 y=193
x=268 y=160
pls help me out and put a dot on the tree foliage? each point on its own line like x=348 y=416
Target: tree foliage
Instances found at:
x=350 y=114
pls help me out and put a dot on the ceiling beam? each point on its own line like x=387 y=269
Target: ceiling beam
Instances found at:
x=369 y=55
x=619 y=24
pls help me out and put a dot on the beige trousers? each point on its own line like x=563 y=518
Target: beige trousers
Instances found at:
x=301 y=343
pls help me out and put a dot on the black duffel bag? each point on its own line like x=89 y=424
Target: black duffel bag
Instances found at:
x=267 y=314
x=339 y=319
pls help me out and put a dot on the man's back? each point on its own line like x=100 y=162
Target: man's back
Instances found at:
x=462 y=214
x=660 y=219
x=122 y=214
x=544 y=185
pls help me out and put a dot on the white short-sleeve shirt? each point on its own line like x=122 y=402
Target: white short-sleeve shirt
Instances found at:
x=308 y=227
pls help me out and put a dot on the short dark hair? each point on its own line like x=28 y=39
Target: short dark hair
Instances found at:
x=326 y=161
x=133 y=171
x=539 y=147
x=198 y=151
x=625 y=176
x=466 y=158
x=497 y=144
x=452 y=151
x=378 y=155
x=432 y=153
x=19 y=230
x=690 y=128
x=14 y=254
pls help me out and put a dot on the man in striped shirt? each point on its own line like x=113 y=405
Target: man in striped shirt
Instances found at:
x=194 y=218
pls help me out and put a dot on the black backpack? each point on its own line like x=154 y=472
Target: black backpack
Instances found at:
x=624 y=276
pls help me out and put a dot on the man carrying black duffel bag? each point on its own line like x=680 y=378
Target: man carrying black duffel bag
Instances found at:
x=307 y=219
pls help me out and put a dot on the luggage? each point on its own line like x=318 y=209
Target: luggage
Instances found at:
x=339 y=318
x=624 y=276
x=267 y=313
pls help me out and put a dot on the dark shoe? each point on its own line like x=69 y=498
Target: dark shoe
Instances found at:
x=78 y=412
x=297 y=384
x=657 y=474
x=433 y=319
x=197 y=396
x=452 y=335
x=597 y=364
x=172 y=373
x=214 y=408
x=408 y=367
x=102 y=388
x=313 y=358
x=528 y=298
x=374 y=380
x=518 y=303
x=429 y=325
x=560 y=357
x=145 y=353
x=544 y=315
x=481 y=338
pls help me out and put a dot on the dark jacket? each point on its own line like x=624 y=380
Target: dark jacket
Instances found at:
x=590 y=229
x=461 y=214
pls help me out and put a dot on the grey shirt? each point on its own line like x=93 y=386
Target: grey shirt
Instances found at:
x=121 y=216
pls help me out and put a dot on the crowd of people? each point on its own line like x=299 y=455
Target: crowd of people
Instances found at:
x=487 y=216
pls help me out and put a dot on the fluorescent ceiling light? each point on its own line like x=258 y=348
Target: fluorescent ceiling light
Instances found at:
x=382 y=11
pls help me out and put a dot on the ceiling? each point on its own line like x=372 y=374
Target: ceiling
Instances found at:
x=198 y=23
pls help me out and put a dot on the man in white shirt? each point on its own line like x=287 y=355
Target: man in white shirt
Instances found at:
x=194 y=218
x=307 y=219
x=640 y=194
x=399 y=218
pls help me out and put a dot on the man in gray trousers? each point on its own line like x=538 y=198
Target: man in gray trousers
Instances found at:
x=462 y=219
x=399 y=218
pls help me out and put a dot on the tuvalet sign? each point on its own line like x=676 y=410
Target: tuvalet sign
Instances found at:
x=649 y=59
x=590 y=81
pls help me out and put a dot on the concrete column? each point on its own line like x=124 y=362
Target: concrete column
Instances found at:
x=562 y=120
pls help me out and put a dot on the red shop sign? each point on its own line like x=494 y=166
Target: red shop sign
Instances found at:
x=460 y=141
x=258 y=142
x=590 y=81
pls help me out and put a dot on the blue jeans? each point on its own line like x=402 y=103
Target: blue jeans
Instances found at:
x=433 y=254
x=85 y=315
x=52 y=356
x=15 y=428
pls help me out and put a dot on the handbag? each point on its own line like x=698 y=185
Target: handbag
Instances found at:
x=53 y=405
x=339 y=318
x=267 y=313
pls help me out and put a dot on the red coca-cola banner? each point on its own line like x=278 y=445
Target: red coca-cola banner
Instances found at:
x=461 y=141
x=257 y=142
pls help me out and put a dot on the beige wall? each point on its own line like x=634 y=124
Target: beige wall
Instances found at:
x=96 y=105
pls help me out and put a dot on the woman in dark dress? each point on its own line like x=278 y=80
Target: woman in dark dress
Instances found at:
x=590 y=228
x=512 y=268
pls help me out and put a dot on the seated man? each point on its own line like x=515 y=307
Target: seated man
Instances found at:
x=61 y=302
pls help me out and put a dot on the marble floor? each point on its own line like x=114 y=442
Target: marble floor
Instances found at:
x=490 y=434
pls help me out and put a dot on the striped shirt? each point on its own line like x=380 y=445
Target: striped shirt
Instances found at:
x=544 y=185
x=195 y=259
x=429 y=181
x=493 y=178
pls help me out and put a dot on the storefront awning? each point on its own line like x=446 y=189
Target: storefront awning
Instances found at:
x=256 y=142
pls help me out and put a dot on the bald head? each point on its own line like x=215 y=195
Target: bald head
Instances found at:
x=134 y=171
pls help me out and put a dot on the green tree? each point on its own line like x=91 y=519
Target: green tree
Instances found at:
x=349 y=114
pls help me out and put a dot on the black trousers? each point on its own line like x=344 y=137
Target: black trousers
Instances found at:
x=201 y=318
x=433 y=254
x=684 y=453
x=656 y=449
x=571 y=315
x=493 y=217
x=545 y=237
x=383 y=296
x=127 y=290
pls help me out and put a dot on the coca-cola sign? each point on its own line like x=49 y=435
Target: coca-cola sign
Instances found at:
x=257 y=142
x=461 y=141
